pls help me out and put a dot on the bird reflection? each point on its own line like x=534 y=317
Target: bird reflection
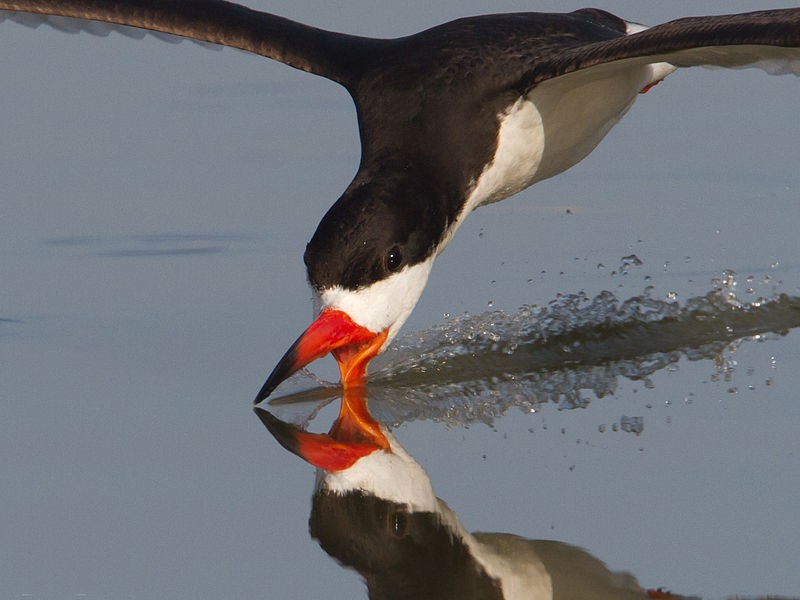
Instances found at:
x=374 y=510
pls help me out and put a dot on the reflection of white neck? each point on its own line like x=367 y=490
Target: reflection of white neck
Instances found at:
x=394 y=476
x=538 y=569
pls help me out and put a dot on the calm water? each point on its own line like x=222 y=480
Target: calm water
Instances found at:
x=156 y=200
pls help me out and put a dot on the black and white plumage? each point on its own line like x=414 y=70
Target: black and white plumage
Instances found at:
x=454 y=117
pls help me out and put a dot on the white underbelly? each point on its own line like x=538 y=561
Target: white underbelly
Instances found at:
x=557 y=124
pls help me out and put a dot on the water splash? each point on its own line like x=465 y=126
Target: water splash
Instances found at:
x=476 y=367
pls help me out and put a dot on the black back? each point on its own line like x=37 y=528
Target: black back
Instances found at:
x=428 y=104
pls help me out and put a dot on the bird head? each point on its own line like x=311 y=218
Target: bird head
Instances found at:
x=367 y=264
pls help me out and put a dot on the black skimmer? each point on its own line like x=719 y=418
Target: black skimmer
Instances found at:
x=460 y=115
x=374 y=509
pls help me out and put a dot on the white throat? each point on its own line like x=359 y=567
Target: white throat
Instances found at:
x=384 y=304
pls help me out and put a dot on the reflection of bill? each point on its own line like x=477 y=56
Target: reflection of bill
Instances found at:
x=374 y=509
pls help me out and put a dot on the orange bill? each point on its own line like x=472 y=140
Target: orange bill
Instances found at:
x=352 y=345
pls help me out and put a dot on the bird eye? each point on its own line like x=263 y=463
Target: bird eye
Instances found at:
x=394 y=259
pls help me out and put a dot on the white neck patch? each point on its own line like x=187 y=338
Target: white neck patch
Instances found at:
x=385 y=303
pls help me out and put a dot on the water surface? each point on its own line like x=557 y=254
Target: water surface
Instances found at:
x=156 y=201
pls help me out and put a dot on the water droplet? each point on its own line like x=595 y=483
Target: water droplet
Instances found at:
x=632 y=424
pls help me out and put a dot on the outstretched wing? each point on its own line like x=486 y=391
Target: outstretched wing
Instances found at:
x=768 y=39
x=307 y=48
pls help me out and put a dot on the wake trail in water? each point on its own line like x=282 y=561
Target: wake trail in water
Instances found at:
x=473 y=368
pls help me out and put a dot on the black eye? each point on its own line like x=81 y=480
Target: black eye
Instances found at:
x=394 y=259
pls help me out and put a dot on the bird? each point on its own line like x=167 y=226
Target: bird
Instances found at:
x=374 y=509
x=454 y=117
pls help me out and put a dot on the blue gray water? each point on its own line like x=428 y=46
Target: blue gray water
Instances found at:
x=156 y=200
